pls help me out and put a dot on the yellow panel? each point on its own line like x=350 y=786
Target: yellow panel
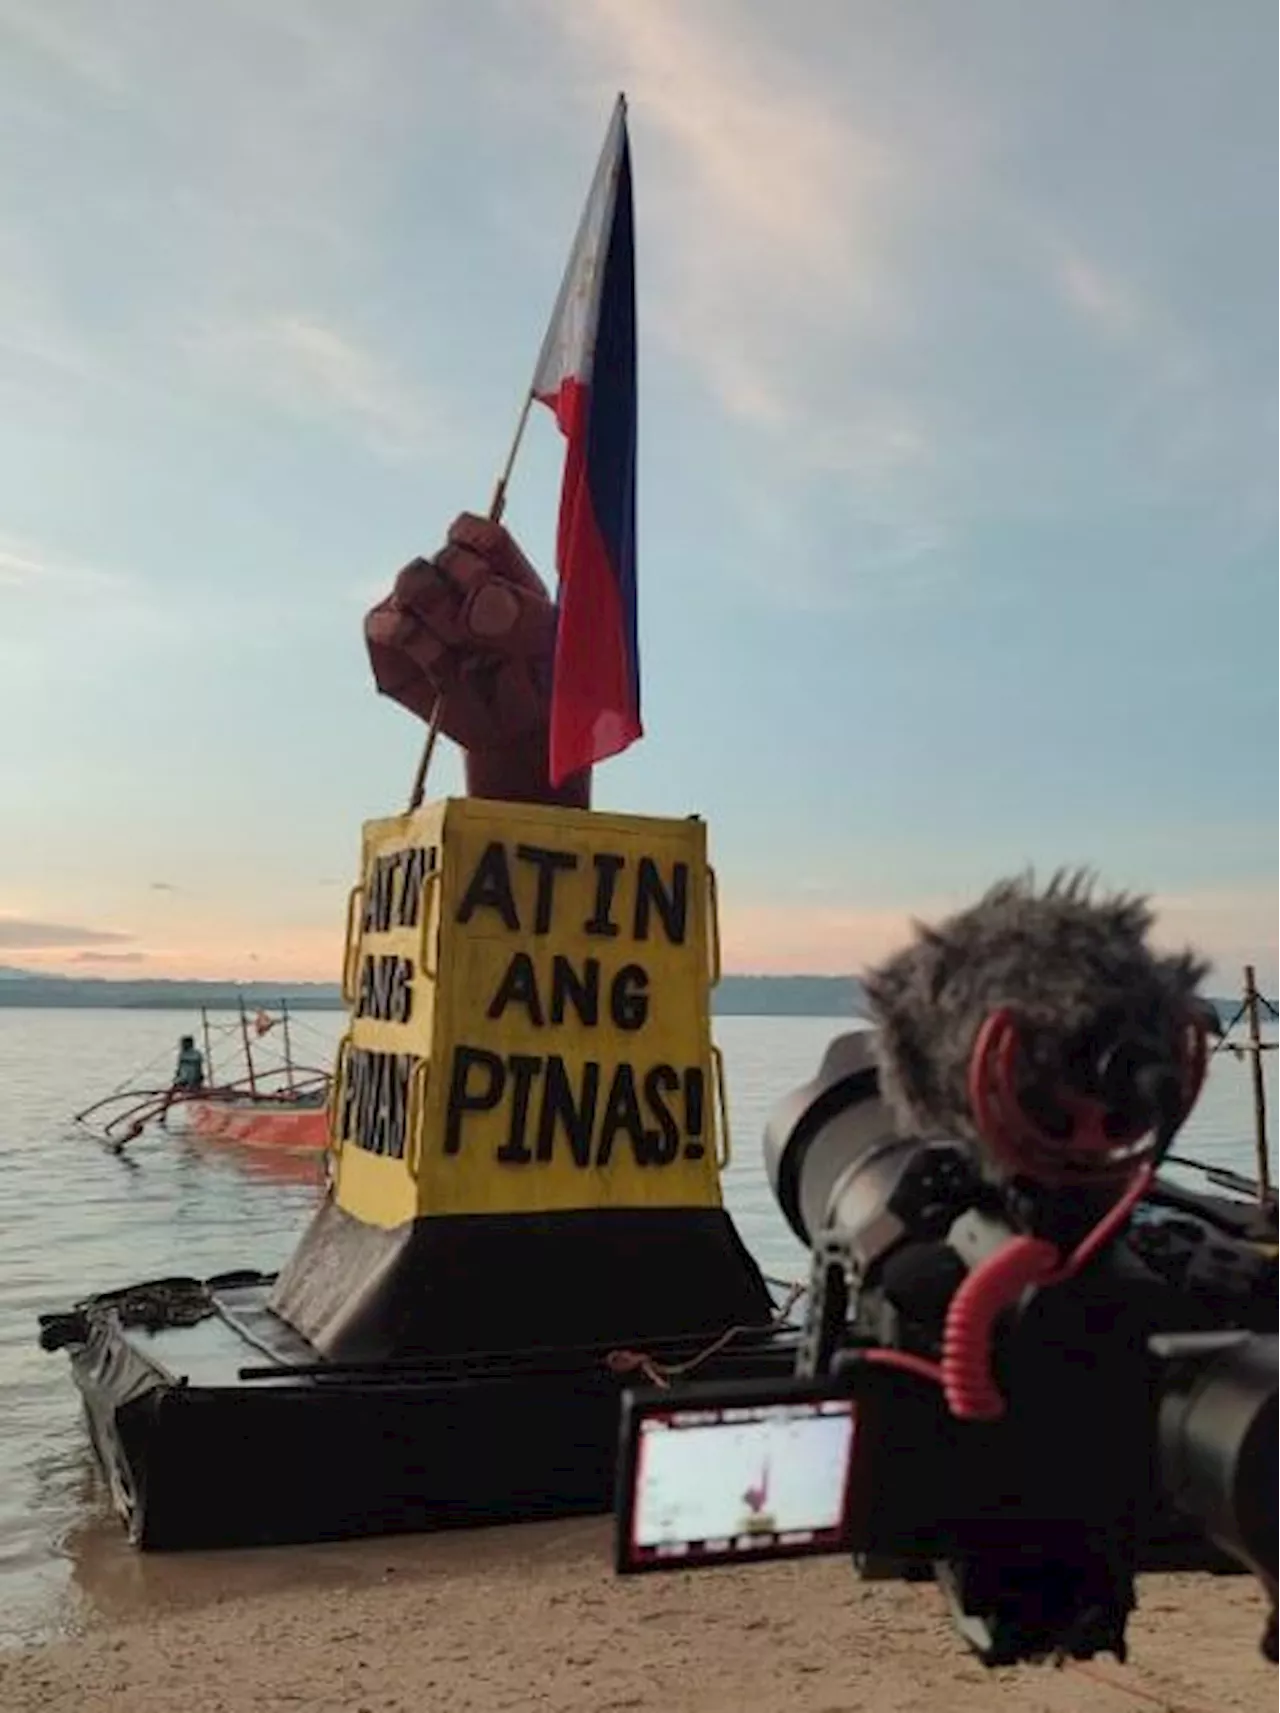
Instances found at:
x=530 y=1031
x=383 y=1060
x=572 y=1057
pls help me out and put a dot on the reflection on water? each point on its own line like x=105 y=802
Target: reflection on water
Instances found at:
x=75 y=1219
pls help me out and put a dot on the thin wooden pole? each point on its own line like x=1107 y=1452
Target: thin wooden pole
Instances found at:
x=248 y=1051
x=1256 y=1050
x=497 y=505
x=208 y=1047
x=288 y=1045
x=419 y=787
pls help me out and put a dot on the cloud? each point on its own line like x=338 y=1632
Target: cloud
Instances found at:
x=84 y=54
x=19 y=932
x=773 y=220
x=1101 y=298
x=307 y=367
x=27 y=567
x=810 y=939
x=163 y=886
x=110 y=958
x=40 y=584
x=1124 y=314
x=770 y=204
x=1231 y=926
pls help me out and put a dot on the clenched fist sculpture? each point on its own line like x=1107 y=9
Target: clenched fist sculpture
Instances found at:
x=471 y=633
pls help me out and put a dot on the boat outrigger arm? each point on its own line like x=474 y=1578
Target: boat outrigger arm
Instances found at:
x=121 y=1117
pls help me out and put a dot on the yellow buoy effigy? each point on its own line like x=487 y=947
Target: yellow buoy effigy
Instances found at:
x=527 y=1122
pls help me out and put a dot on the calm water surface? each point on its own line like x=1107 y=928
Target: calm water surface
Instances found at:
x=75 y=1219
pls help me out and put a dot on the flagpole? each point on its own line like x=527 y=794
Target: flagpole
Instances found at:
x=497 y=505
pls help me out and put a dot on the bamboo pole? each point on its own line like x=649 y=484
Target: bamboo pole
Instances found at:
x=497 y=505
x=208 y=1047
x=248 y=1051
x=1256 y=1049
x=288 y=1046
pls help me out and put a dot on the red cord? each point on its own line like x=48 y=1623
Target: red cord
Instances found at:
x=965 y=1370
x=972 y=1394
x=1089 y=1156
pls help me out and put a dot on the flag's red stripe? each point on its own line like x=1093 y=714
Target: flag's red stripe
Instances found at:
x=595 y=702
x=594 y=714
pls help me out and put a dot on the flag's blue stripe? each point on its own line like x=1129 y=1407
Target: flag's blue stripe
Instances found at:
x=611 y=422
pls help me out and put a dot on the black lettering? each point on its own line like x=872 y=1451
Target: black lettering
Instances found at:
x=519 y=986
x=607 y=870
x=368 y=986
x=490 y=888
x=622 y=1116
x=548 y=864
x=523 y=1068
x=400 y=1000
x=386 y=989
x=694 y=1107
x=462 y=1099
x=415 y=871
x=665 y=1143
x=377 y=900
x=673 y=906
x=375 y=1101
x=365 y=1101
x=629 y=997
x=398 y=1103
x=567 y=989
x=375 y=1135
x=558 y=1108
x=350 y=1094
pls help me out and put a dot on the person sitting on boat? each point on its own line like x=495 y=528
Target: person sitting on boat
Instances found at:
x=189 y=1071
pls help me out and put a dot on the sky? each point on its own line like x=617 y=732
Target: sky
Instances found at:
x=956 y=514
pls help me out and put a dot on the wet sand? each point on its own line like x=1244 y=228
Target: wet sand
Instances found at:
x=533 y=1618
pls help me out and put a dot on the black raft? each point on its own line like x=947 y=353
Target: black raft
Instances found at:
x=218 y=1423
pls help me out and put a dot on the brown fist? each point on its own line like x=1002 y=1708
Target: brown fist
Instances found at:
x=473 y=631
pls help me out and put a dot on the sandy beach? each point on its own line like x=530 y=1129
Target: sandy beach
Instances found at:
x=533 y=1618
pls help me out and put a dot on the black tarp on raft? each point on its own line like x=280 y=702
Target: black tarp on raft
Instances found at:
x=198 y=1454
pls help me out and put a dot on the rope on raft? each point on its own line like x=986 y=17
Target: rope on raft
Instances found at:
x=661 y=1374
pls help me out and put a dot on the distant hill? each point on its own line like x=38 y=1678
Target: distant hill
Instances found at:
x=787 y=996
x=737 y=995
x=19 y=988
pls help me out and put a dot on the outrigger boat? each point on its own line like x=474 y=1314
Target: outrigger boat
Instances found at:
x=267 y=1102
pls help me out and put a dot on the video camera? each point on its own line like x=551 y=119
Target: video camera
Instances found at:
x=1030 y=1369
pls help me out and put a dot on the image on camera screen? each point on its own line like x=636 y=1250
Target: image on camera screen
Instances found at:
x=748 y=1481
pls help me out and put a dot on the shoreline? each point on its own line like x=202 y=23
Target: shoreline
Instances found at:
x=532 y=1617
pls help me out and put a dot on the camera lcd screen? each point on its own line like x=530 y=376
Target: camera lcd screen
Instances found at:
x=728 y=1481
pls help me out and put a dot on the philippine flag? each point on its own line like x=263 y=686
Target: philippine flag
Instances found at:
x=586 y=374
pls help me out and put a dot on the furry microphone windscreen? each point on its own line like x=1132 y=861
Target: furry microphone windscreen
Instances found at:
x=1089 y=997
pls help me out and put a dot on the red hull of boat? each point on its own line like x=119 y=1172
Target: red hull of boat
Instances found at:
x=262 y=1124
